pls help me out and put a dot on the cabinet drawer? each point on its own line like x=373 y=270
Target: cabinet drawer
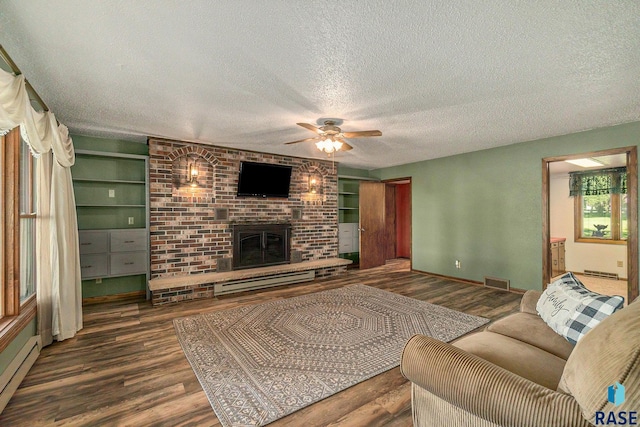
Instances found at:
x=128 y=240
x=93 y=265
x=129 y=263
x=93 y=242
x=345 y=246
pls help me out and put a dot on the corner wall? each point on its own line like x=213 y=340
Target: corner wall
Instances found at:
x=485 y=208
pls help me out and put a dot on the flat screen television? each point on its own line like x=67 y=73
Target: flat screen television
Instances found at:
x=264 y=180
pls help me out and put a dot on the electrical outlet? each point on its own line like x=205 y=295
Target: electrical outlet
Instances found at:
x=130 y=220
x=458 y=264
x=620 y=264
x=112 y=193
x=98 y=281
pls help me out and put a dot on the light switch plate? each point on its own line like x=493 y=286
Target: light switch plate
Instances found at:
x=130 y=220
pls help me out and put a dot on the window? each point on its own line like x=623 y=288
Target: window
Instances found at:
x=600 y=205
x=17 y=299
x=27 y=223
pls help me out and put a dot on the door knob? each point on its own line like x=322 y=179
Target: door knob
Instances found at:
x=360 y=229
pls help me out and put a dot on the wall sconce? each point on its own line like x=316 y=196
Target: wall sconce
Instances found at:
x=315 y=184
x=192 y=177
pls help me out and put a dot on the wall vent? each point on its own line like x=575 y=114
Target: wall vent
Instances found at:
x=296 y=214
x=601 y=274
x=223 y=264
x=222 y=214
x=494 y=282
x=296 y=257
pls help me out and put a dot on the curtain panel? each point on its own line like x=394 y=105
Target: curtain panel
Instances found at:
x=598 y=182
x=59 y=286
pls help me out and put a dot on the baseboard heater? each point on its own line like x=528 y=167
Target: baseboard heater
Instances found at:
x=494 y=282
x=601 y=274
x=263 y=282
x=17 y=369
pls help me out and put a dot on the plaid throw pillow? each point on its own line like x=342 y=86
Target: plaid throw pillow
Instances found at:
x=572 y=310
x=593 y=310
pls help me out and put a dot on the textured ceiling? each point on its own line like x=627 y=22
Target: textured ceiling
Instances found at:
x=436 y=77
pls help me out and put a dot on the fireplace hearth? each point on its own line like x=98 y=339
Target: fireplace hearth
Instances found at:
x=260 y=245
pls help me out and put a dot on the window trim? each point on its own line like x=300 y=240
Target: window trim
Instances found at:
x=14 y=317
x=615 y=222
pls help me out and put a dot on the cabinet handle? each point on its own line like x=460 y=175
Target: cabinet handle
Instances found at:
x=129 y=241
x=86 y=266
x=129 y=263
x=85 y=244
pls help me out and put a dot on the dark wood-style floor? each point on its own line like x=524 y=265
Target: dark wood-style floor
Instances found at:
x=126 y=366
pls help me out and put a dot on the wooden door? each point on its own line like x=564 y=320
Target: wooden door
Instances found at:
x=372 y=224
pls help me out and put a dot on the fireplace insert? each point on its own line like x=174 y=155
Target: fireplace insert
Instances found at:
x=259 y=245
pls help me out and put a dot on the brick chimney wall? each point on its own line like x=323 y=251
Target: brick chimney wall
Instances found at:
x=191 y=228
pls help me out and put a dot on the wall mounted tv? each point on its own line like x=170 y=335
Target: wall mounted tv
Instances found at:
x=264 y=180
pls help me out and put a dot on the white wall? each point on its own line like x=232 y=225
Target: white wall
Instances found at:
x=580 y=256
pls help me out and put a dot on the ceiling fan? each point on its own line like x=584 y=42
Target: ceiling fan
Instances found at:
x=331 y=138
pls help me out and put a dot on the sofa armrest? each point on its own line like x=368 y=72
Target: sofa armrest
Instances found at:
x=484 y=389
x=529 y=302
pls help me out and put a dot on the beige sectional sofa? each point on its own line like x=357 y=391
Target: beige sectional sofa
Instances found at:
x=519 y=372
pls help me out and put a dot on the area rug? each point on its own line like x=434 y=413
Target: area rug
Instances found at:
x=261 y=362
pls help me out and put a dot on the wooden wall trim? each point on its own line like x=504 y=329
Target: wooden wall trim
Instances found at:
x=632 y=221
x=11 y=231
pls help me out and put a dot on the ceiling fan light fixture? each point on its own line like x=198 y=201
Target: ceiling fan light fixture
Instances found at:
x=329 y=137
x=328 y=145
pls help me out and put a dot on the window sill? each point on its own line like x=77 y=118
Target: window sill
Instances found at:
x=601 y=241
x=10 y=327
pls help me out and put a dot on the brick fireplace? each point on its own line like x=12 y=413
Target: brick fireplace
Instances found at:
x=192 y=226
x=259 y=245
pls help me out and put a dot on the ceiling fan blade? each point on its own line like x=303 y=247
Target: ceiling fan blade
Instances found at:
x=361 y=134
x=311 y=127
x=345 y=146
x=317 y=138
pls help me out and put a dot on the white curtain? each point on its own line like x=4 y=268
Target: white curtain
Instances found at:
x=59 y=286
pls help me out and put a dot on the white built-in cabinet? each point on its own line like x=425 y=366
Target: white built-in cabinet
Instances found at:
x=348 y=237
x=113 y=253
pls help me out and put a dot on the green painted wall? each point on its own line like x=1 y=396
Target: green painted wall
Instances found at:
x=16 y=345
x=81 y=142
x=111 y=168
x=347 y=171
x=485 y=208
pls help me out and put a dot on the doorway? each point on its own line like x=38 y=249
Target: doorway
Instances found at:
x=549 y=260
x=385 y=221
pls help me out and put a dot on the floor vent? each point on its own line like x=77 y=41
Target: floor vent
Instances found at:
x=493 y=282
x=601 y=274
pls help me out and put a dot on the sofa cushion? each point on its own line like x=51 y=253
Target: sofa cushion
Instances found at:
x=572 y=310
x=529 y=301
x=531 y=329
x=515 y=356
x=608 y=354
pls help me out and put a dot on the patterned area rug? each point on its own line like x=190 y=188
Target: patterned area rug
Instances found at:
x=259 y=363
